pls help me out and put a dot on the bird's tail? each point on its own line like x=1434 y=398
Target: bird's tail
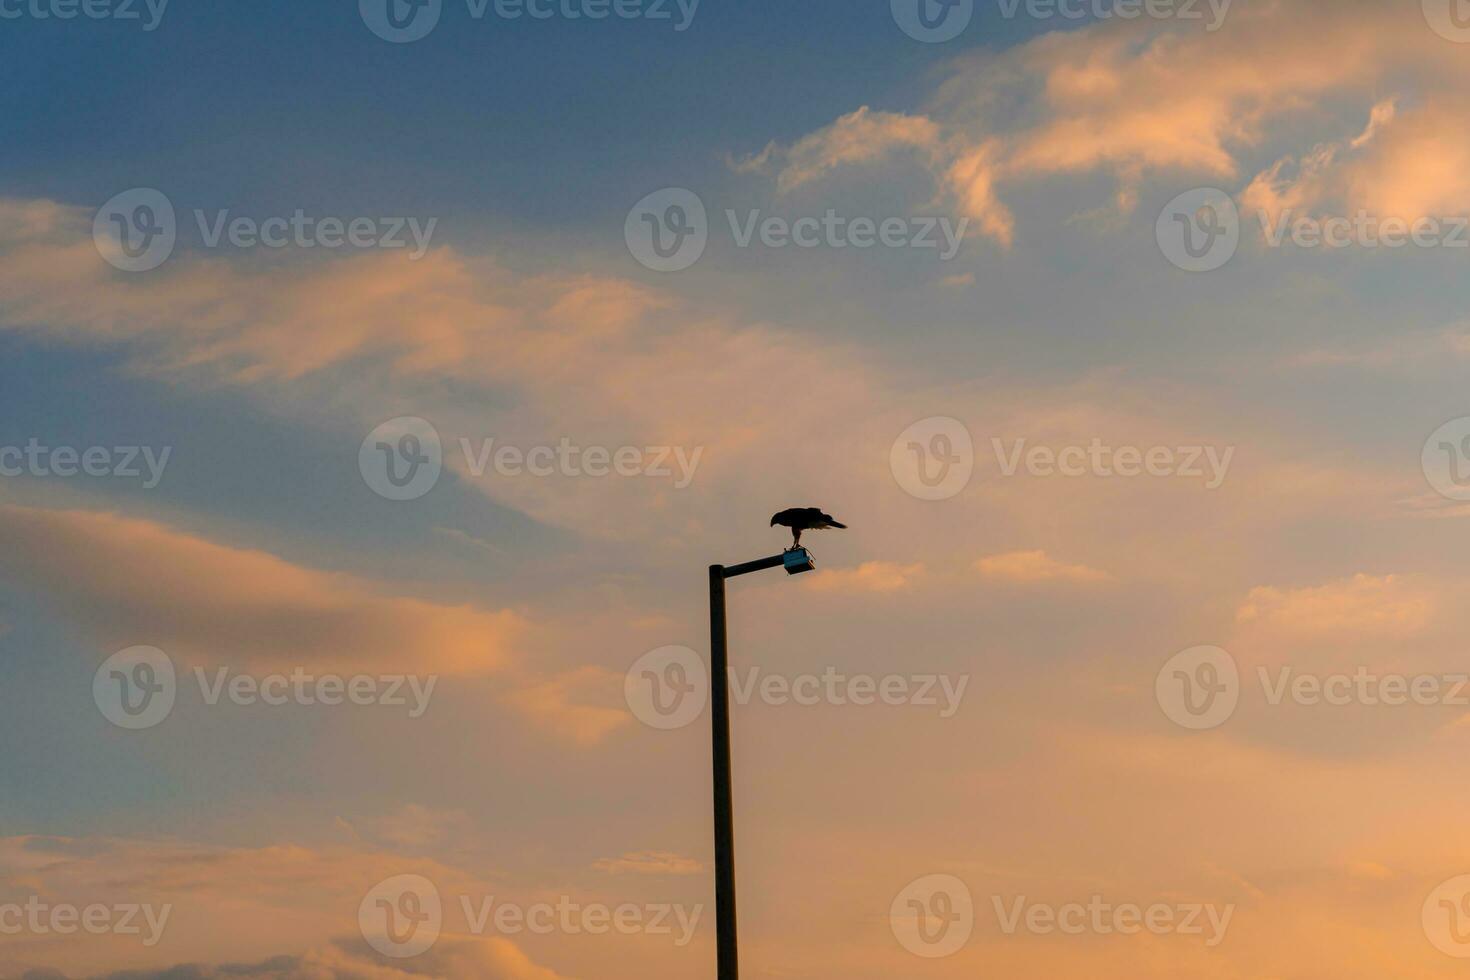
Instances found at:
x=836 y=524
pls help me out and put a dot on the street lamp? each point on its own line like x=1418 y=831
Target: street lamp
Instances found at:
x=795 y=561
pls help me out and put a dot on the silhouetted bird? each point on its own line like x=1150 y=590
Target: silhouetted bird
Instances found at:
x=804 y=519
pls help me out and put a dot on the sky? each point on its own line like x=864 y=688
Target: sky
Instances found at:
x=378 y=381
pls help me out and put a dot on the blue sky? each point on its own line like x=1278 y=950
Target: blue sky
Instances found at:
x=547 y=123
x=1327 y=385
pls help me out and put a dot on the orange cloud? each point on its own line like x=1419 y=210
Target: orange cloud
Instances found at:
x=567 y=704
x=1364 y=604
x=598 y=360
x=286 y=902
x=452 y=958
x=858 y=137
x=412 y=826
x=442 y=314
x=650 y=863
x=1137 y=97
x=1036 y=567
x=131 y=581
x=870 y=576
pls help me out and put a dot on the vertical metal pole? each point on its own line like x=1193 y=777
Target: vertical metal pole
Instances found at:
x=729 y=954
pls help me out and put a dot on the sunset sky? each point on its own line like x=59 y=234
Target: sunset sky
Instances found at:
x=1133 y=404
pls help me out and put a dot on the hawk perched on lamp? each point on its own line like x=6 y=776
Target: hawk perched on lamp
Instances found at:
x=804 y=519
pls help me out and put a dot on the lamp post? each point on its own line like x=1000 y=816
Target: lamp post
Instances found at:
x=795 y=561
